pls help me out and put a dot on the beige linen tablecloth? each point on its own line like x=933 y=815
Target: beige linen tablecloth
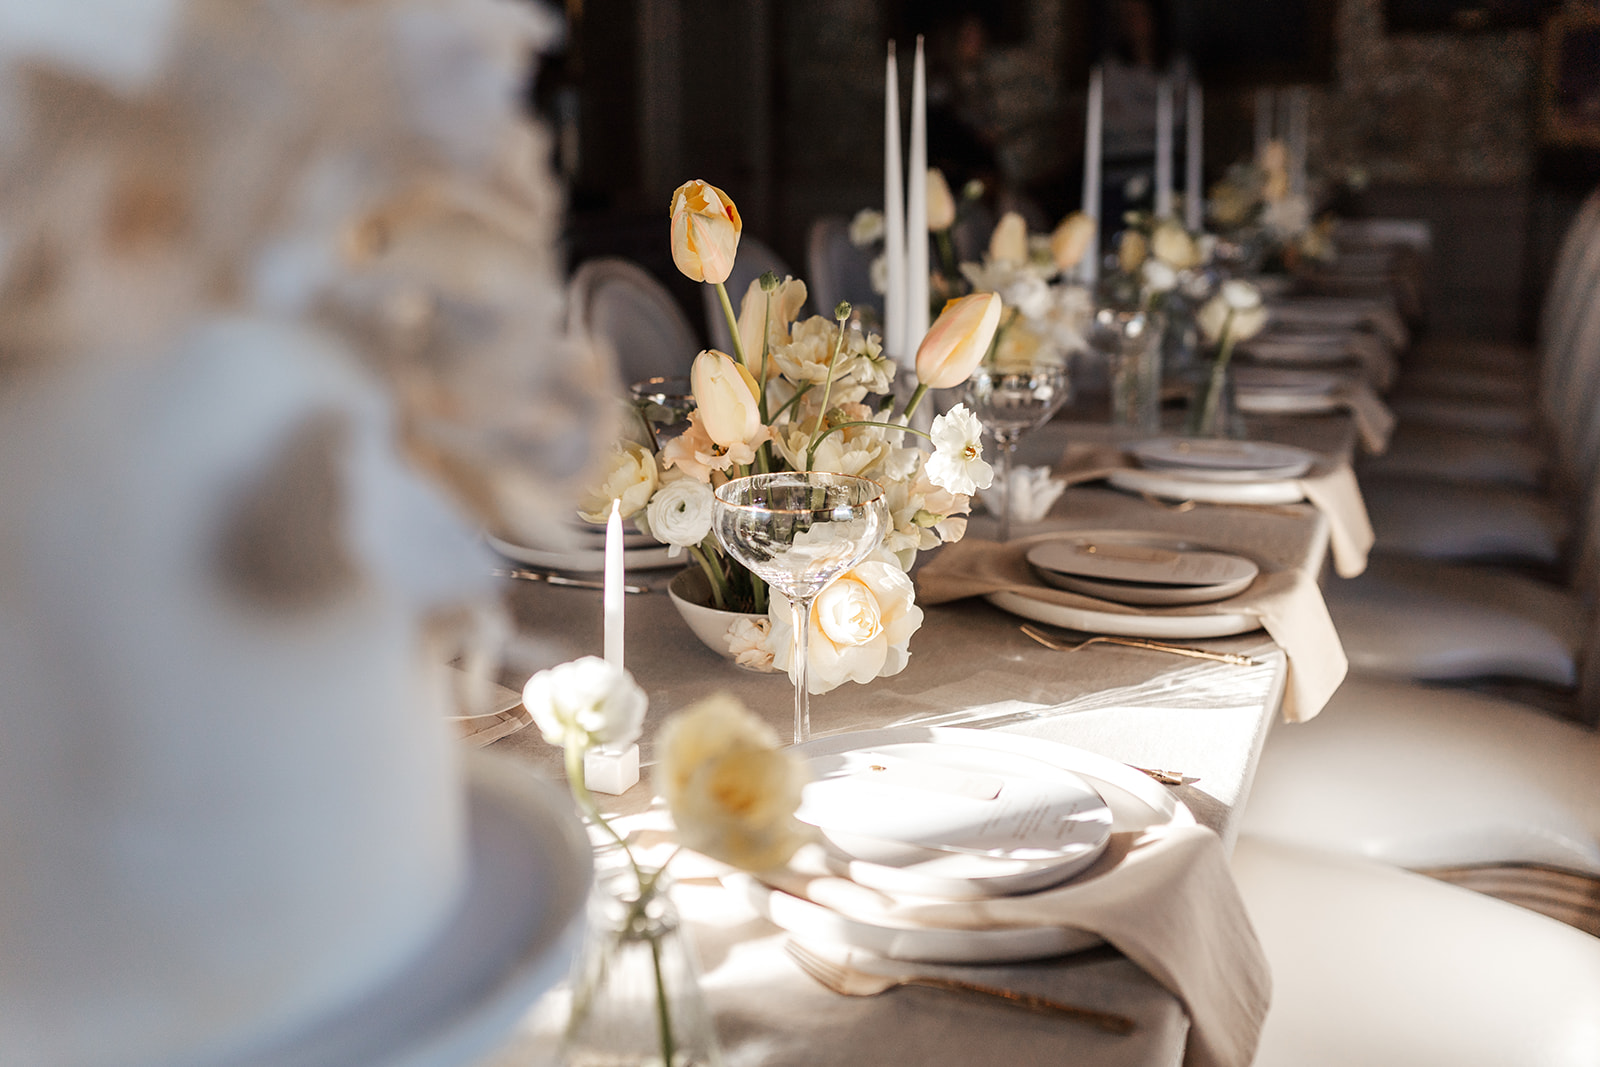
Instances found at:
x=1330 y=486
x=1286 y=600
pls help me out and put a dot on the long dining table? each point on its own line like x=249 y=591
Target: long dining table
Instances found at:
x=970 y=666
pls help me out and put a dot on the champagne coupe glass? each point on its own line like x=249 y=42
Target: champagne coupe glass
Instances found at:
x=1009 y=403
x=799 y=531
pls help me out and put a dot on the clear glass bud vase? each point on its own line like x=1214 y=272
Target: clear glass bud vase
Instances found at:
x=1213 y=410
x=636 y=999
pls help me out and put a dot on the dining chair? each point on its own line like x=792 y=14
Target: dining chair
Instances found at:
x=755 y=259
x=619 y=304
x=1380 y=967
x=837 y=269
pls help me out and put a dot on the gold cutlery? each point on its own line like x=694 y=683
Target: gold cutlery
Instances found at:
x=1138 y=642
x=851 y=981
x=561 y=579
x=1289 y=510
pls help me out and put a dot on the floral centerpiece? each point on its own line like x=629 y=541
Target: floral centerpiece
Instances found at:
x=803 y=394
x=732 y=793
x=1270 y=226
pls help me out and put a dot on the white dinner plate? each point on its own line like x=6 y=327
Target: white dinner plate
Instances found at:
x=1145 y=595
x=1268 y=402
x=1135 y=800
x=590 y=560
x=1177 y=485
x=1118 y=624
x=949 y=820
x=1221 y=459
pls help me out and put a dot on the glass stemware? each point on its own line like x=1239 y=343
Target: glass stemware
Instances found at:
x=1009 y=404
x=800 y=531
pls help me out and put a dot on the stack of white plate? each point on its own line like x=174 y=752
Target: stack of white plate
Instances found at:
x=1288 y=391
x=1142 y=569
x=585 y=550
x=959 y=814
x=1216 y=471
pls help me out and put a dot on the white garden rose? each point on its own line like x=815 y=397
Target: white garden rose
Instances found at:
x=731 y=790
x=749 y=642
x=630 y=479
x=586 y=702
x=680 y=513
x=861 y=626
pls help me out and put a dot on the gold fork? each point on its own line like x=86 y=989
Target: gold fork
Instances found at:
x=1138 y=642
x=851 y=981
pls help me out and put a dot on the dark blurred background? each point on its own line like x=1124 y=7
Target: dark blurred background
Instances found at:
x=1429 y=109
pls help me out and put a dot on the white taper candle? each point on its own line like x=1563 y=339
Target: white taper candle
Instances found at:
x=894 y=219
x=1164 y=124
x=917 y=209
x=1194 y=196
x=1093 y=128
x=611 y=596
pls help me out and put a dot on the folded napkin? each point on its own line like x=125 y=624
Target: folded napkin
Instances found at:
x=1287 y=601
x=1162 y=896
x=1374 y=421
x=1330 y=487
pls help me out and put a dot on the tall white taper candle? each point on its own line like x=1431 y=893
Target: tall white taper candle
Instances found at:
x=1094 y=125
x=917 y=209
x=1163 y=203
x=611 y=596
x=1194 y=196
x=894 y=219
x=1264 y=108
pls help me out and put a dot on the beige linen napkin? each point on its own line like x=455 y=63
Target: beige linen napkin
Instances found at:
x=1287 y=602
x=1163 y=896
x=1374 y=421
x=1331 y=488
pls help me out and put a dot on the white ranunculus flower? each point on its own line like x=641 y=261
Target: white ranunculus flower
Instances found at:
x=630 y=478
x=680 y=513
x=1158 y=276
x=748 y=640
x=731 y=790
x=861 y=626
x=957 y=462
x=866 y=227
x=586 y=702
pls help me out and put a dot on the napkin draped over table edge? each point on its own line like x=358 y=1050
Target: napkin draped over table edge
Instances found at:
x=1286 y=600
x=1164 y=897
x=1331 y=488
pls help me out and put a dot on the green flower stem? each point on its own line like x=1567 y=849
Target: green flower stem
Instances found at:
x=791 y=402
x=916 y=398
x=733 y=323
x=706 y=557
x=574 y=750
x=827 y=387
x=947 y=254
x=811 y=452
x=766 y=355
x=1219 y=371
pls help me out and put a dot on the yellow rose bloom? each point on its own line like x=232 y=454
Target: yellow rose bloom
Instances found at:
x=631 y=478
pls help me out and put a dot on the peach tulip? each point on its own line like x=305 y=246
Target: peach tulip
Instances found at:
x=705 y=231
x=941 y=205
x=1071 y=240
x=725 y=396
x=1009 y=243
x=958 y=340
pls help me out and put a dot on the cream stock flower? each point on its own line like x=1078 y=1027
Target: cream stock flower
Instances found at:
x=787 y=300
x=725 y=398
x=958 y=340
x=1071 y=240
x=861 y=626
x=748 y=641
x=1172 y=245
x=1009 y=242
x=705 y=231
x=630 y=478
x=680 y=513
x=957 y=463
x=941 y=205
x=586 y=702
x=852 y=450
x=731 y=790
x=860 y=365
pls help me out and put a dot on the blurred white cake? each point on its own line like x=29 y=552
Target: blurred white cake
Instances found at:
x=230 y=806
